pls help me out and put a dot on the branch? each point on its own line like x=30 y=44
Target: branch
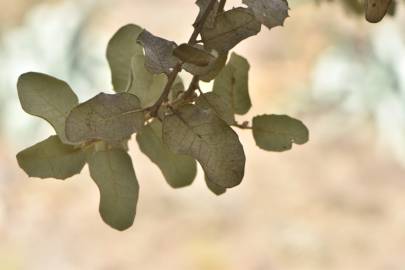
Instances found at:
x=221 y=6
x=172 y=76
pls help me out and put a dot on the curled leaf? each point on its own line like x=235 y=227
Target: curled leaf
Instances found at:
x=193 y=55
x=158 y=52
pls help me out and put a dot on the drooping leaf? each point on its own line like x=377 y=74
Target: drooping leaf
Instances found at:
x=214 y=188
x=47 y=97
x=232 y=84
x=271 y=13
x=221 y=107
x=278 y=132
x=158 y=52
x=193 y=55
x=106 y=117
x=115 y=177
x=215 y=68
x=51 y=159
x=178 y=170
x=120 y=50
x=231 y=27
x=203 y=5
x=202 y=135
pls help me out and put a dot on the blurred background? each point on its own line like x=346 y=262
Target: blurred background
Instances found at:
x=337 y=202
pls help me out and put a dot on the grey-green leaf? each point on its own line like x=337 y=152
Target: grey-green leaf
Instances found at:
x=203 y=5
x=115 y=177
x=201 y=134
x=215 y=68
x=220 y=106
x=120 y=50
x=232 y=84
x=278 y=132
x=51 y=159
x=214 y=188
x=106 y=117
x=178 y=170
x=271 y=13
x=231 y=27
x=158 y=52
x=47 y=97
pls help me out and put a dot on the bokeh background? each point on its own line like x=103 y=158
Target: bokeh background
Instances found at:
x=337 y=202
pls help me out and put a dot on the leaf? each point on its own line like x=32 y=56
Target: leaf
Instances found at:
x=105 y=117
x=203 y=5
x=51 y=159
x=214 y=188
x=47 y=97
x=215 y=68
x=271 y=13
x=158 y=52
x=146 y=86
x=278 y=132
x=210 y=66
x=120 y=50
x=202 y=135
x=193 y=55
x=376 y=9
x=231 y=27
x=114 y=175
x=232 y=86
x=178 y=170
x=221 y=107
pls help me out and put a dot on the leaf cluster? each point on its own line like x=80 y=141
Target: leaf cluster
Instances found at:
x=175 y=126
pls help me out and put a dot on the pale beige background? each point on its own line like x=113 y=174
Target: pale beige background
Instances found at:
x=337 y=202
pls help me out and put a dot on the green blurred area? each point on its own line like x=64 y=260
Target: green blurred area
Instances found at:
x=334 y=203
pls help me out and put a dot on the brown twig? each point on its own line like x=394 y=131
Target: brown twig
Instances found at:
x=172 y=76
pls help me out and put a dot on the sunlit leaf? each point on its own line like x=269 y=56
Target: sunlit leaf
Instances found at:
x=278 y=132
x=231 y=27
x=120 y=50
x=47 y=97
x=178 y=170
x=202 y=135
x=271 y=13
x=232 y=84
x=51 y=159
x=158 y=52
x=105 y=117
x=115 y=177
x=221 y=107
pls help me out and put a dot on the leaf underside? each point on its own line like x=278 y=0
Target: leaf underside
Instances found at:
x=204 y=136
